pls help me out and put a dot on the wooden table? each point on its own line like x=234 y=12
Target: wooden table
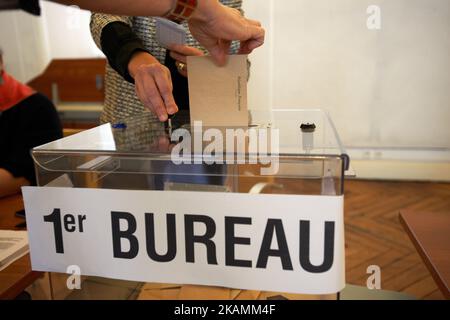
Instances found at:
x=17 y=276
x=430 y=234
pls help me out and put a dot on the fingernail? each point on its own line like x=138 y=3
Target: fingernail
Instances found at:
x=173 y=109
x=162 y=117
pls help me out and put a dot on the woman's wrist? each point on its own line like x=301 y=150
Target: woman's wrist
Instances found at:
x=173 y=4
x=138 y=59
x=206 y=9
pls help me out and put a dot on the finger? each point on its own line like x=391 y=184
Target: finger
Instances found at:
x=218 y=55
x=169 y=75
x=243 y=49
x=225 y=44
x=183 y=57
x=164 y=84
x=256 y=37
x=254 y=22
x=220 y=51
x=175 y=47
x=251 y=45
x=140 y=92
x=153 y=97
x=185 y=50
x=248 y=46
x=178 y=57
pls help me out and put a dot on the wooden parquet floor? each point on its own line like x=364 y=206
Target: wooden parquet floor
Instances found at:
x=374 y=235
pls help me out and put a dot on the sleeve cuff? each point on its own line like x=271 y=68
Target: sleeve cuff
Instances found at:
x=119 y=43
x=123 y=58
x=30 y=6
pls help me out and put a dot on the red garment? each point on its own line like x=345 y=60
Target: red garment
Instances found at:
x=12 y=92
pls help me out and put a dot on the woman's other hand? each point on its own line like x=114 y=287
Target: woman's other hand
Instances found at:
x=153 y=84
x=215 y=26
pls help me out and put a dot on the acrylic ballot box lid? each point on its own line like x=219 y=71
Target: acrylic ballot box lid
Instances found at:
x=140 y=131
x=308 y=148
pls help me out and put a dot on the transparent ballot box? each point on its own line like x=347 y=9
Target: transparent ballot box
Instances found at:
x=293 y=152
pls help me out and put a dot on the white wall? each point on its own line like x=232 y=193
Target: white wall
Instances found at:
x=383 y=88
x=28 y=57
x=68 y=32
x=30 y=42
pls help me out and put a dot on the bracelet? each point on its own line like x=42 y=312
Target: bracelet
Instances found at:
x=183 y=10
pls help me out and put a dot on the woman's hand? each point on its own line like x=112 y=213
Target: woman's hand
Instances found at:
x=215 y=26
x=179 y=54
x=153 y=84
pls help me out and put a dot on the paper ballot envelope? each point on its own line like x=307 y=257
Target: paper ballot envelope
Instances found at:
x=218 y=95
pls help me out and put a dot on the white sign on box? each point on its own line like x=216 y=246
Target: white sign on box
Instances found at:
x=283 y=243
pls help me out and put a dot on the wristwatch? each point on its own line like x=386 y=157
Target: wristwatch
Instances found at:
x=182 y=11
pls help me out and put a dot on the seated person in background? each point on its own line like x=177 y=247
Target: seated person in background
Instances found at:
x=27 y=119
x=140 y=73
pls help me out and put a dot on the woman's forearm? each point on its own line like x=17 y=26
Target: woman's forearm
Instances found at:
x=157 y=8
x=124 y=7
x=212 y=24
